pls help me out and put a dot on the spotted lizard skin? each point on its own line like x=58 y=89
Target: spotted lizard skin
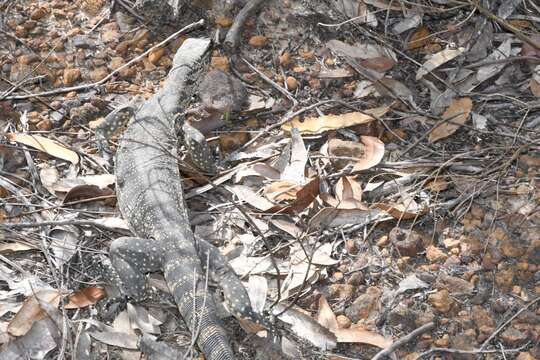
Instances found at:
x=150 y=197
x=194 y=141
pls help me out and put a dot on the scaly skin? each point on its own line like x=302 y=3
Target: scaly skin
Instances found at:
x=150 y=197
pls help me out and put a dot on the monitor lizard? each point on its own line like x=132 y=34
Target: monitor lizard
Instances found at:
x=150 y=197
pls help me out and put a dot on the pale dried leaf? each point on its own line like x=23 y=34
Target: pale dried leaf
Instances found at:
x=349 y=8
x=366 y=16
x=331 y=217
x=116 y=339
x=288 y=227
x=294 y=170
x=359 y=51
x=437 y=60
x=348 y=194
x=488 y=71
x=318 y=125
x=247 y=195
x=112 y=223
x=405 y=208
x=455 y=116
x=325 y=315
x=306 y=327
x=51 y=147
x=32 y=311
x=388 y=87
x=279 y=191
x=259 y=103
x=411 y=20
x=338 y=73
x=49 y=177
x=373 y=153
x=142 y=320
x=36 y=344
x=411 y=282
x=257 y=288
x=244 y=265
x=364 y=88
x=122 y=324
x=64 y=241
x=479 y=121
x=299 y=278
x=321 y=256
x=15 y=246
x=357 y=334
x=260 y=169
x=385 y=4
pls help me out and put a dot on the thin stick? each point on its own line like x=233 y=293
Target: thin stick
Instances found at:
x=505 y=25
x=233 y=36
x=403 y=340
x=272 y=82
x=114 y=72
x=499 y=329
x=285 y=119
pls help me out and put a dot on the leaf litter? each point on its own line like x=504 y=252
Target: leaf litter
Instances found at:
x=375 y=206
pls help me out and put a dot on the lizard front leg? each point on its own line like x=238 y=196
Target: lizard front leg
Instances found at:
x=132 y=258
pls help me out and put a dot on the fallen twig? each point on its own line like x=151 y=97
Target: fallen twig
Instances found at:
x=499 y=329
x=403 y=340
x=505 y=24
x=114 y=72
x=273 y=83
x=233 y=36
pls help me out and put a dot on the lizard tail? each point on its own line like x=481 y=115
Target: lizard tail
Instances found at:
x=195 y=303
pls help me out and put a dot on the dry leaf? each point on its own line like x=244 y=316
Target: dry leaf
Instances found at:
x=306 y=328
x=325 y=315
x=85 y=297
x=295 y=167
x=331 y=217
x=31 y=311
x=321 y=256
x=407 y=208
x=85 y=192
x=366 y=16
x=385 y=4
x=300 y=277
x=535 y=88
x=357 y=334
x=334 y=73
x=119 y=339
x=411 y=19
x=380 y=64
x=348 y=195
x=354 y=334
x=304 y=197
x=247 y=195
x=288 y=227
x=279 y=191
x=51 y=147
x=373 y=153
x=437 y=60
x=359 y=51
x=419 y=38
x=392 y=87
x=318 y=125
x=364 y=156
x=15 y=246
x=455 y=116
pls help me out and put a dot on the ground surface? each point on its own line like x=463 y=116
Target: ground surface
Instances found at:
x=406 y=197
